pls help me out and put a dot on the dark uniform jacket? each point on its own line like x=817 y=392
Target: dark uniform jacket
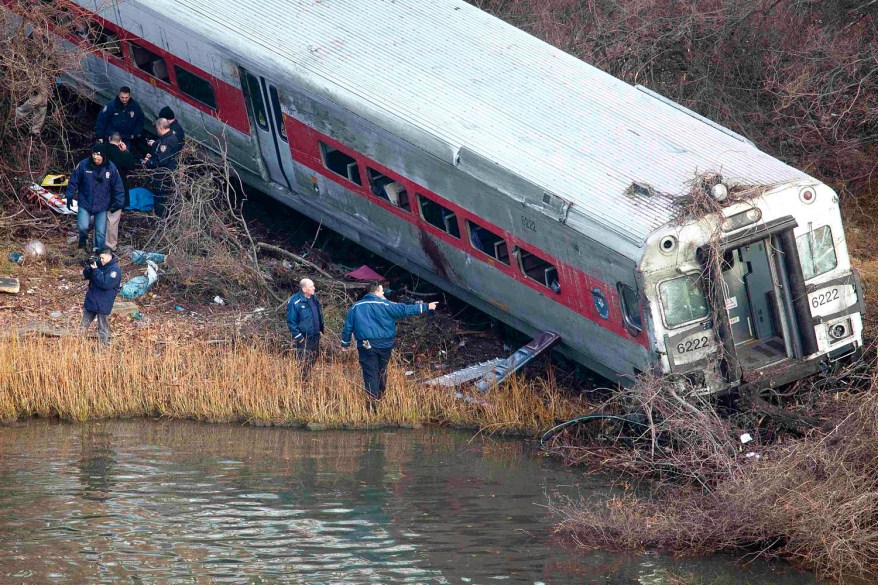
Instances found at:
x=125 y=162
x=300 y=319
x=374 y=318
x=178 y=131
x=104 y=283
x=99 y=187
x=126 y=120
x=164 y=152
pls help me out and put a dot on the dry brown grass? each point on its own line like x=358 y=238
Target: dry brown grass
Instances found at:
x=810 y=499
x=73 y=379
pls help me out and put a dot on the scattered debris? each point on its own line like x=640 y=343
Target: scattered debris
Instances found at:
x=17 y=258
x=35 y=249
x=467 y=374
x=140 y=257
x=518 y=360
x=219 y=300
x=9 y=285
x=54 y=201
x=141 y=199
x=364 y=273
x=124 y=307
x=138 y=285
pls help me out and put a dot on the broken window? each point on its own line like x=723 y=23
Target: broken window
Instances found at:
x=538 y=270
x=488 y=242
x=149 y=62
x=630 y=301
x=195 y=87
x=341 y=163
x=682 y=301
x=439 y=216
x=104 y=39
x=816 y=252
x=387 y=188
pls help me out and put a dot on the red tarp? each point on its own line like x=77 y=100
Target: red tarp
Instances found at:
x=364 y=273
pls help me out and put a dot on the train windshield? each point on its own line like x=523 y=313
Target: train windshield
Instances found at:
x=682 y=301
x=816 y=252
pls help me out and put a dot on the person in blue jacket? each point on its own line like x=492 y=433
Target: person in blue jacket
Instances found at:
x=372 y=321
x=305 y=321
x=123 y=115
x=104 y=281
x=96 y=183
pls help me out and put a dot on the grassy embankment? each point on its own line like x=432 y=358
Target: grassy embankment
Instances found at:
x=73 y=380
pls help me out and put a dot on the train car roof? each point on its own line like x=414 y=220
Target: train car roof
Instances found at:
x=466 y=78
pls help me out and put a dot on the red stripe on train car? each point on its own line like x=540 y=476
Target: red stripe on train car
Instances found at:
x=577 y=286
x=230 y=106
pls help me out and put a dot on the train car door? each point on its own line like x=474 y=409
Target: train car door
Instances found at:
x=750 y=296
x=264 y=104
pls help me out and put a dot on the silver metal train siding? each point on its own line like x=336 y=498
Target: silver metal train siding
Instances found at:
x=513 y=175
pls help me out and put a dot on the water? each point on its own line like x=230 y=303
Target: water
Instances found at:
x=177 y=502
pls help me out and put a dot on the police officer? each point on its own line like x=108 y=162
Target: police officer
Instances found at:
x=162 y=158
x=96 y=183
x=305 y=321
x=123 y=115
x=104 y=280
x=175 y=125
x=372 y=321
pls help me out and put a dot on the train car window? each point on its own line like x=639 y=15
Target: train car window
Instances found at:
x=630 y=308
x=817 y=252
x=278 y=113
x=104 y=39
x=340 y=163
x=484 y=240
x=149 y=62
x=387 y=188
x=682 y=301
x=254 y=95
x=538 y=270
x=438 y=216
x=195 y=87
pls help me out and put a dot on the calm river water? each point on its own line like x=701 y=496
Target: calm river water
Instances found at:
x=178 y=502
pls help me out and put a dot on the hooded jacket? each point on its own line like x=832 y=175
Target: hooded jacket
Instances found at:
x=374 y=318
x=104 y=283
x=126 y=120
x=99 y=187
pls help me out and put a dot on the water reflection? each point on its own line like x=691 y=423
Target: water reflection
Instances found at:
x=188 y=503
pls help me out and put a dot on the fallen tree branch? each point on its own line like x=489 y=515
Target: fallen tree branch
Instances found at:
x=295 y=257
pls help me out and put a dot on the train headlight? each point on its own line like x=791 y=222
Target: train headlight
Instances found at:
x=668 y=244
x=839 y=330
x=739 y=220
x=719 y=192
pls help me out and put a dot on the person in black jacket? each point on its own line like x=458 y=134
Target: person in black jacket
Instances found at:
x=104 y=281
x=305 y=321
x=168 y=114
x=119 y=154
x=163 y=159
x=372 y=320
x=123 y=115
x=96 y=184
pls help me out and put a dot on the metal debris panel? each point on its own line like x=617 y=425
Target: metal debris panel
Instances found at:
x=460 y=75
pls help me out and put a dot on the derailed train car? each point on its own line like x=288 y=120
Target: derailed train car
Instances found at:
x=517 y=177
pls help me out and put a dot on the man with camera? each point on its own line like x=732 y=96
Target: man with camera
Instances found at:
x=104 y=281
x=372 y=320
x=305 y=321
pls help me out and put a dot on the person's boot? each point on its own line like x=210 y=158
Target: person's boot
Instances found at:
x=83 y=242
